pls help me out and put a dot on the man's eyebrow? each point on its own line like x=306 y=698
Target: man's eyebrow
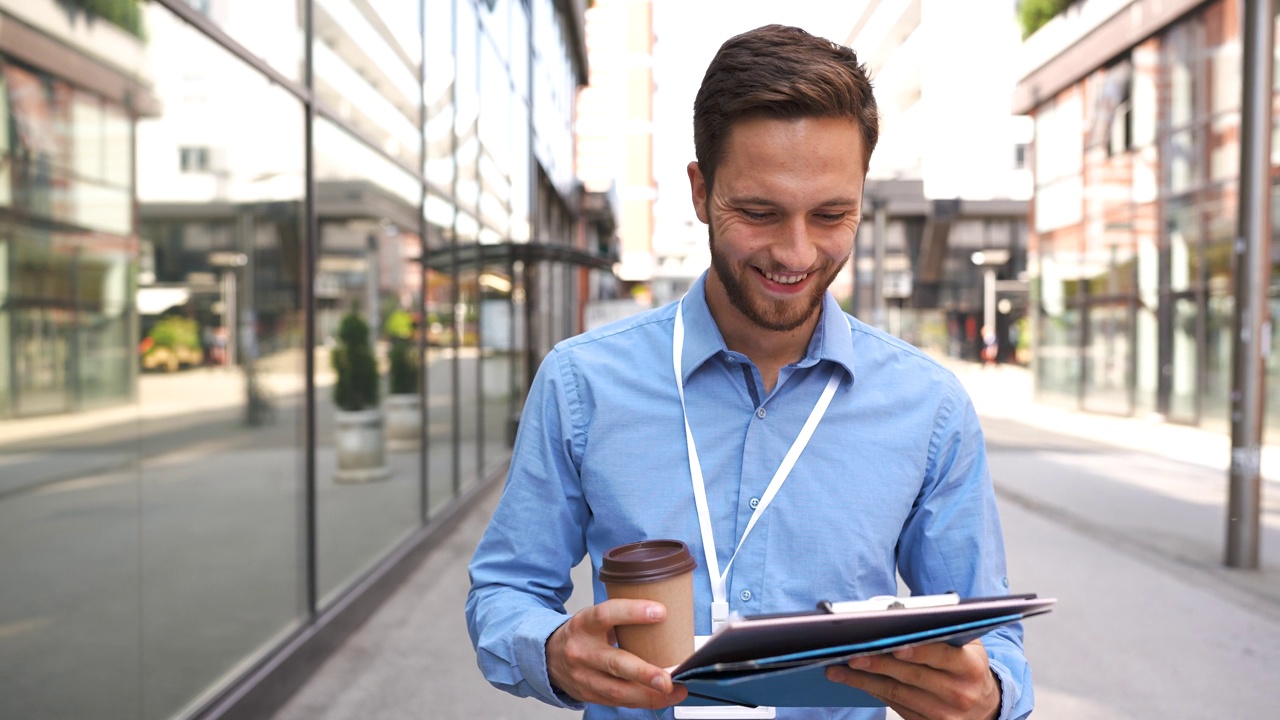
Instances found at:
x=758 y=200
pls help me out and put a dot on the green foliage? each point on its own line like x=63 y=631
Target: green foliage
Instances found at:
x=404 y=368
x=402 y=355
x=174 y=332
x=126 y=14
x=355 y=365
x=1033 y=14
x=399 y=324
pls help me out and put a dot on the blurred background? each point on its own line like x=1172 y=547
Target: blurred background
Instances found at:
x=275 y=276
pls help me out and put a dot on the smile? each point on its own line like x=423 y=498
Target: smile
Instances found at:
x=784 y=279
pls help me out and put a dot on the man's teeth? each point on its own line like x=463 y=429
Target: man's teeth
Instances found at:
x=785 y=279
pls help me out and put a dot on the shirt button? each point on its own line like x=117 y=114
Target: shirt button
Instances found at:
x=760 y=413
x=731 y=359
x=755 y=503
x=745 y=595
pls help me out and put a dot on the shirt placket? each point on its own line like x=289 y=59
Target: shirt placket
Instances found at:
x=746 y=589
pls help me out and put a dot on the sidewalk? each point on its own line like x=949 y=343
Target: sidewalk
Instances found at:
x=1120 y=519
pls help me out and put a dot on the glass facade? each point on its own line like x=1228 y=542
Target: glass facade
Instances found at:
x=272 y=280
x=1134 y=218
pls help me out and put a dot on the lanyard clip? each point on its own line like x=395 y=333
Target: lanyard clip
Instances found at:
x=719 y=614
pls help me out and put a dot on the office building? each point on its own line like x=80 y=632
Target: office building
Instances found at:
x=1137 y=159
x=200 y=201
x=941 y=249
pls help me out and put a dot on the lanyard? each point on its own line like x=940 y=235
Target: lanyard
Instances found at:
x=719 y=580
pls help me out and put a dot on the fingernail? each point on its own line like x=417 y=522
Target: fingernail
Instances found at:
x=660 y=684
x=836 y=674
x=656 y=612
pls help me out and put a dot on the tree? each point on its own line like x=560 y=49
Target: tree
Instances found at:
x=1034 y=14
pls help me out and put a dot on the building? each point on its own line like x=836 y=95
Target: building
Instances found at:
x=197 y=199
x=615 y=126
x=948 y=179
x=1137 y=156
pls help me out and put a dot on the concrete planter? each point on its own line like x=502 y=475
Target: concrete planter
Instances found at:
x=358 y=437
x=404 y=422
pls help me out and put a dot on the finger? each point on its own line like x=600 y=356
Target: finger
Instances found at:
x=604 y=689
x=906 y=700
x=581 y=663
x=945 y=657
x=611 y=613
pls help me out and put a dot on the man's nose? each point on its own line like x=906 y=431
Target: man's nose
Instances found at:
x=795 y=249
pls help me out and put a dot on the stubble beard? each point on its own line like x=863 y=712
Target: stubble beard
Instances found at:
x=769 y=313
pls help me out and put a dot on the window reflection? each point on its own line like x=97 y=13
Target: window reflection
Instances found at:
x=369 y=292
x=221 y=357
x=498 y=341
x=367 y=74
x=271 y=30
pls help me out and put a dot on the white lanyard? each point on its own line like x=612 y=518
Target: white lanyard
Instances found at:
x=719 y=580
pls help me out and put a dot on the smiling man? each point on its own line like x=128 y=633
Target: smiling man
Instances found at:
x=887 y=479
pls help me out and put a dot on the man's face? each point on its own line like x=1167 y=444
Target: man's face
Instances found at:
x=782 y=217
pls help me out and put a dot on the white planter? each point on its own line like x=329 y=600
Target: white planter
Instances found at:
x=358 y=437
x=404 y=422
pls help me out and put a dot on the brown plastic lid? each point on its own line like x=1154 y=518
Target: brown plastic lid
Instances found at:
x=646 y=561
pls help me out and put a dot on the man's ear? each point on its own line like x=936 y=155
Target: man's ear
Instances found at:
x=698 y=187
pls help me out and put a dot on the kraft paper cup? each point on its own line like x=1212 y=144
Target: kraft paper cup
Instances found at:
x=661 y=571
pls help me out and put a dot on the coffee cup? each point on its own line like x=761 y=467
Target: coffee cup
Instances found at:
x=661 y=571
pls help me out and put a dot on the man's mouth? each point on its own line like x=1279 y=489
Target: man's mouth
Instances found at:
x=784 y=279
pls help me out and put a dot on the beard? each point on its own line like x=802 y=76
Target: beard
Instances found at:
x=765 y=312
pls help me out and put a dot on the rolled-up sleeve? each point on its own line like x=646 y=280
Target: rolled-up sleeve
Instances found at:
x=520 y=572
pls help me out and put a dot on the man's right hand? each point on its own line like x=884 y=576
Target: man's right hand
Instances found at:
x=583 y=662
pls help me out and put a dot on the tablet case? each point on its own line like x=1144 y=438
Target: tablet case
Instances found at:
x=780 y=660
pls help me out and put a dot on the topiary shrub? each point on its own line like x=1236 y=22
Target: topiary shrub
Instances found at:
x=355 y=365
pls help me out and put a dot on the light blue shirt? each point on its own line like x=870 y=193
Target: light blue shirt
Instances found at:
x=894 y=480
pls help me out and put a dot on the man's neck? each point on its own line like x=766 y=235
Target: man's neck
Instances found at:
x=769 y=350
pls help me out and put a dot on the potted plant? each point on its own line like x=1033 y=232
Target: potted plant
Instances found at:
x=404 y=409
x=358 y=421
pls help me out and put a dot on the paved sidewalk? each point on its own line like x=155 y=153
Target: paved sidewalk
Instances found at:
x=1121 y=519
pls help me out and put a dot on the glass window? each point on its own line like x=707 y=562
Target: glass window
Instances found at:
x=221 y=393
x=497 y=353
x=440 y=338
x=439 y=97
x=471 y=407
x=164 y=354
x=1108 y=358
x=1184 y=361
x=1218 y=347
x=365 y=77
x=272 y=31
x=1058 y=328
x=368 y=470
x=494 y=132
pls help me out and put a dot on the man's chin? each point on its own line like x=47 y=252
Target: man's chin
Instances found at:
x=783 y=319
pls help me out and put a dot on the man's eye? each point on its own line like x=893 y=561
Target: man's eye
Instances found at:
x=832 y=217
x=752 y=215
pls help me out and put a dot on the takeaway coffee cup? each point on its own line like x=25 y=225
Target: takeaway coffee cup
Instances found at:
x=662 y=571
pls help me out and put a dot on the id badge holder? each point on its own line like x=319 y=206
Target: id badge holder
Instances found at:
x=722 y=712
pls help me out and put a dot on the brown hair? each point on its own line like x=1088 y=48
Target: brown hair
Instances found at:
x=781 y=72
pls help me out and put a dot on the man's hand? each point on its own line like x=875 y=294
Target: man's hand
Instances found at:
x=928 y=682
x=583 y=663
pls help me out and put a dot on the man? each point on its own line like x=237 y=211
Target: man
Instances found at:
x=893 y=478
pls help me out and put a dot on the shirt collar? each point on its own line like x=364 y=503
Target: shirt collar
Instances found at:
x=702 y=339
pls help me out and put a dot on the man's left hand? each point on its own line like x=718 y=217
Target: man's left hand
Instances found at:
x=928 y=682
